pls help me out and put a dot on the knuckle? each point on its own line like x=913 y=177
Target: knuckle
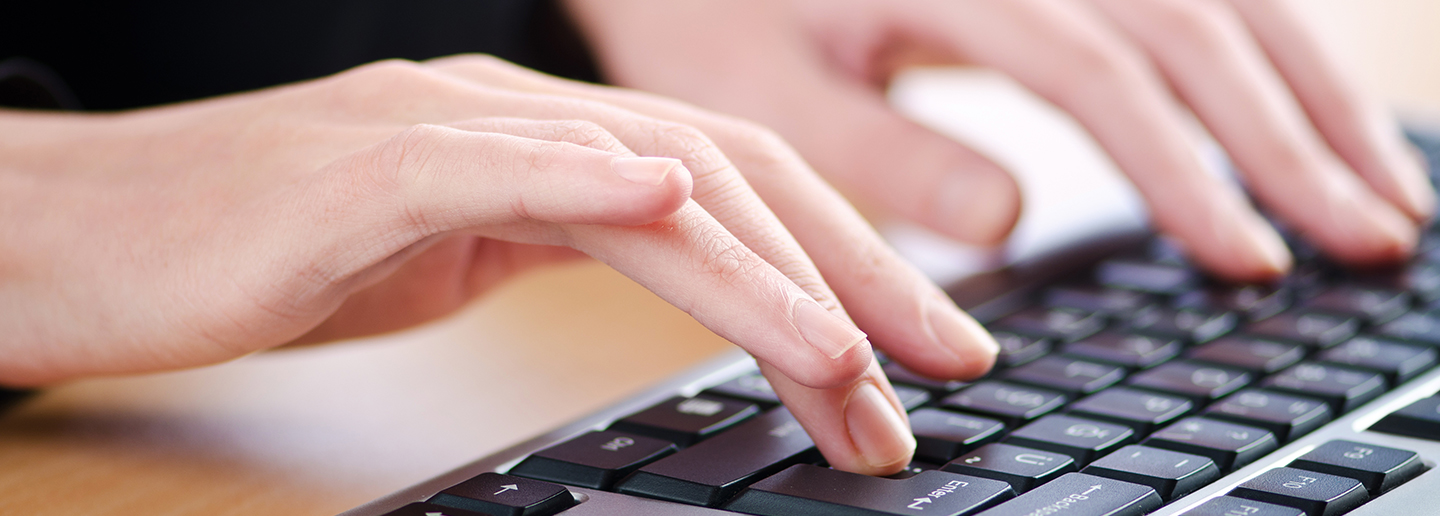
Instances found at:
x=400 y=165
x=1099 y=68
x=585 y=133
x=1203 y=23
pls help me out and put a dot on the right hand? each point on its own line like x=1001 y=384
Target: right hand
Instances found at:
x=392 y=194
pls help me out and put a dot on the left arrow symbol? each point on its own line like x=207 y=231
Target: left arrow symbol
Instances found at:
x=508 y=487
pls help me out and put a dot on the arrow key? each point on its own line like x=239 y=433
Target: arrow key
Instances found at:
x=425 y=509
x=495 y=494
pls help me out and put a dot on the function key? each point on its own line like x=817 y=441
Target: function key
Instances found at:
x=686 y=421
x=1257 y=355
x=1318 y=494
x=1016 y=349
x=1143 y=276
x=899 y=374
x=1010 y=403
x=1229 y=445
x=1100 y=300
x=1284 y=415
x=941 y=435
x=1342 y=387
x=807 y=489
x=1308 y=328
x=1253 y=302
x=1081 y=439
x=1379 y=468
x=1419 y=419
x=1188 y=324
x=1022 y=468
x=1066 y=374
x=1200 y=382
x=505 y=495
x=1171 y=474
x=1398 y=362
x=1374 y=305
x=1232 y=506
x=1062 y=324
x=1132 y=351
x=1142 y=410
x=1422 y=328
x=595 y=460
x=752 y=387
x=1079 y=494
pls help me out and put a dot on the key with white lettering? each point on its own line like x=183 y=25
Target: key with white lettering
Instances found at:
x=1232 y=506
x=1229 y=445
x=505 y=495
x=1380 y=468
x=686 y=421
x=595 y=460
x=1318 y=494
x=941 y=435
x=1078 y=494
x=1023 y=468
x=804 y=489
x=1171 y=474
x=1082 y=439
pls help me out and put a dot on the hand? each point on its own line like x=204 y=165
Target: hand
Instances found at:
x=1313 y=150
x=392 y=194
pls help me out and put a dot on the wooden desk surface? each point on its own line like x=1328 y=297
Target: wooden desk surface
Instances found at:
x=319 y=430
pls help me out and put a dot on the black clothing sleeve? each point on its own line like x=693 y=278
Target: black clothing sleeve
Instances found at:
x=124 y=54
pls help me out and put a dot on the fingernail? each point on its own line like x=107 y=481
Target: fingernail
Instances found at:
x=954 y=330
x=644 y=170
x=828 y=333
x=876 y=429
x=1272 y=249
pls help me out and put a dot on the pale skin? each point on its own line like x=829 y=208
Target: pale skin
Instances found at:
x=392 y=194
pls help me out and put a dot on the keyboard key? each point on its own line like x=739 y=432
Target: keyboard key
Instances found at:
x=1012 y=404
x=1171 y=474
x=806 y=489
x=1342 y=387
x=1318 y=494
x=911 y=397
x=1379 y=468
x=1022 y=468
x=1284 y=415
x=1062 y=324
x=1419 y=419
x=1070 y=375
x=942 y=435
x=1098 y=300
x=1253 y=302
x=1132 y=351
x=426 y=509
x=1200 y=382
x=505 y=495
x=714 y=470
x=1232 y=506
x=900 y=375
x=1229 y=445
x=595 y=460
x=686 y=421
x=1187 y=324
x=1418 y=327
x=1016 y=349
x=1398 y=362
x=1082 y=439
x=1308 y=328
x=1143 y=411
x=1257 y=355
x=1373 y=305
x=752 y=387
x=915 y=468
x=1144 y=276
x=1078 y=494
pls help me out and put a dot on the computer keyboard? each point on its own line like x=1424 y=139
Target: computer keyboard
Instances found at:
x=1127 y=384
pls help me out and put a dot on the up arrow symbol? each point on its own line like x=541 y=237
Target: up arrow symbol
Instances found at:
x=508 y=487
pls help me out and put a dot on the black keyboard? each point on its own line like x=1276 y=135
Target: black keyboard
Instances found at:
x=1127 y=384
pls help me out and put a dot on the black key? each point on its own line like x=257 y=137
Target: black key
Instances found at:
x=1284 y=415
x=1308 y=328
x=1398 y=362
x=915 y=468
x=1379 y=468
x=1374 y=305
x=1257 y=355
x=911 y=397
x=1200 y=382
x=942 y=435
x=504 y=495
x=1012 y=404
x=1082 y=439
x=1342 y=387
x=1078 y=494
x=807 y=489
x=595 y=460
x=1253 y=302
x=1133 y=351
x=1062 y=324
x=1228 y=444
x=1318 y=494
x=1066 y=374
x=1099 y=300
x=1022 y=468
x=1188 y=324
x=752 y=387
x=1171 y=474
x=714 y=470
x=1420 y=419
x=899 y=374
x=1420 y=278
x=1146 y=276
x=1143 y=411
x=1419 y=327
x=1016 y=349
x=686 y=421
x=1232 y=506
x=426 y=509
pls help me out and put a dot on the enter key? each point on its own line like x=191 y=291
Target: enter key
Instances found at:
x=804 y=489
